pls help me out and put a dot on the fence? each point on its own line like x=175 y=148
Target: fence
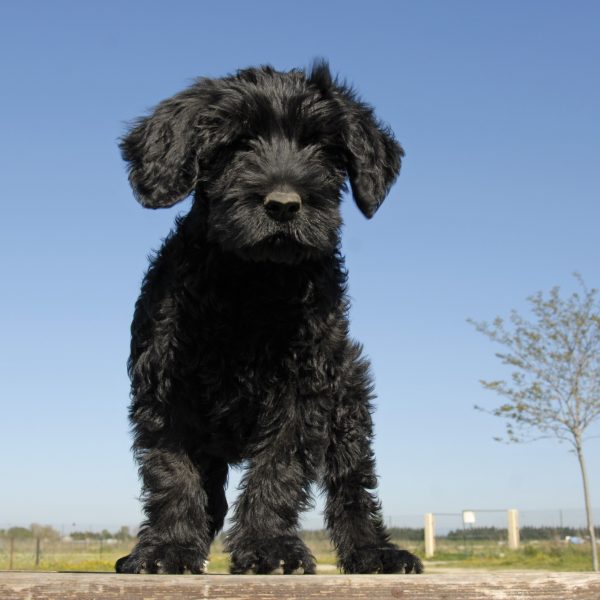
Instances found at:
x=58 y=551
x=446 y=521
x=469 y=519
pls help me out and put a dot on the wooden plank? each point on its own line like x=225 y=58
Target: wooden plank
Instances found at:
x=454 y=586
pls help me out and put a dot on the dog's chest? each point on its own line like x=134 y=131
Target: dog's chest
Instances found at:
x=249 y=344
x=264 y=361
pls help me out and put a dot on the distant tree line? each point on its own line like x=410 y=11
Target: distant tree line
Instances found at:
x=409 y=534
x=415 y=534
x=123 y=534
x=50 y=533
x=526 y=533
x=398 y=533
x=412 y=534
x=35 y=530
x=495 y=534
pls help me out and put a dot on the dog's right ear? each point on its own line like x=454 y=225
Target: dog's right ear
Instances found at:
x=163 y=149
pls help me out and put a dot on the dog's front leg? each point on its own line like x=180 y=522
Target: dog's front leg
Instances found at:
x=264 y=534
x=178 y=531
x=353 y=512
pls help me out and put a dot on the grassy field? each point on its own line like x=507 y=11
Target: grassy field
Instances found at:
x=552 y=556
x=93 y=556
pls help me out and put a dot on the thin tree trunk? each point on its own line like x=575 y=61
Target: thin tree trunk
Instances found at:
x=588 y=505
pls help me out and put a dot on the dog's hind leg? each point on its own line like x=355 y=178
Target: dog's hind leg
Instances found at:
x=353 y=512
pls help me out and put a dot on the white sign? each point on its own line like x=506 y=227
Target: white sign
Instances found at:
x=468 y=517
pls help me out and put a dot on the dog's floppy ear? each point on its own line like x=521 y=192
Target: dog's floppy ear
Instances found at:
x=162 y=150
x=373 y=156
x=374 y=159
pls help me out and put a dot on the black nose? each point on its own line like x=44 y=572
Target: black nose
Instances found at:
x=282 y=206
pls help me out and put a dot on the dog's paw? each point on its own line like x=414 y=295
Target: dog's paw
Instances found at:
x=385 y=558
x=286 y=554
x=162 y=559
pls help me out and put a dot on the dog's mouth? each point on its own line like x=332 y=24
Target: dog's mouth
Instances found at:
x=278 y=248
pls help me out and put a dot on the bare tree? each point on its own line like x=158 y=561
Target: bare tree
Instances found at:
x=554 y=390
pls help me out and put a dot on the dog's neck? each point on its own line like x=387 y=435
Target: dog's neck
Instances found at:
x=320 y=280
x=322 y=277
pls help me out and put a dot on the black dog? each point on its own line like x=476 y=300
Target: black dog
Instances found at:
x=240 y=349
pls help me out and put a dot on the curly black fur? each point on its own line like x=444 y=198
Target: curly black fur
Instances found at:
x=240 y=349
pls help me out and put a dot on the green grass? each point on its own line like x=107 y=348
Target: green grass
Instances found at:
x=555 y=556
x=62 y=561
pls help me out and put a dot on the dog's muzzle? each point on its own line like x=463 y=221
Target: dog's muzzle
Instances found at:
x=282 y=205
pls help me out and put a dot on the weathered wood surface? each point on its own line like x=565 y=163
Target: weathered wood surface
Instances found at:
x=455 y=586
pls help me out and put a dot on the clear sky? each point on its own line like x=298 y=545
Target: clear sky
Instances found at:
x=497 y=105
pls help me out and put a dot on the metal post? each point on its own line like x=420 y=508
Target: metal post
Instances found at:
x=37 y=552
x=12 y=551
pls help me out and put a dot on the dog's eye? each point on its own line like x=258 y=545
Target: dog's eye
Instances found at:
x=319 y=135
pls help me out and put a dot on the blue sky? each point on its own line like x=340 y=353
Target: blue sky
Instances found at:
x=496 y=104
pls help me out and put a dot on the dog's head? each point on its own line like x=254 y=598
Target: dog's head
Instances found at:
x=266 y=155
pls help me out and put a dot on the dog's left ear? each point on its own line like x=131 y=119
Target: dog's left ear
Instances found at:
x=373 y=156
